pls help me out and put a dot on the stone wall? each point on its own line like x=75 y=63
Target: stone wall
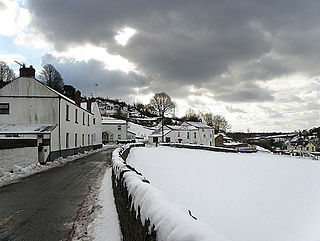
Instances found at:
x=22 y=157
x=145 y=212
x=130 y=221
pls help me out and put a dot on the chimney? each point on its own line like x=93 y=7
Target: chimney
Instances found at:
x=27 y=72
x=77 y=97
x=89 y=105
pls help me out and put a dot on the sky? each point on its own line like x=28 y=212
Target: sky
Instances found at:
x=255 y=62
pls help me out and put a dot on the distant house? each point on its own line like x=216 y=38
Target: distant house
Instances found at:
x=114 y=130
x=187 y=133
x=301 y=144
x=303 y=147
x=34 y=115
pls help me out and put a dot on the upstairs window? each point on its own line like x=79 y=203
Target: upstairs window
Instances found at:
x=83 y=117
x=94 y=121
x=195 y=134
x=188 y=135
x=88 y=120
x=119 y=128
x=67 y=113
x=76 y=116
x=4 y=108
x=67 y=140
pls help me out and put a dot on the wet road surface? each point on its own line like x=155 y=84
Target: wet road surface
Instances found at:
x=44 y=206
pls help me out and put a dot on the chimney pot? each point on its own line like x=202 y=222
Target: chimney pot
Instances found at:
x=27 y=72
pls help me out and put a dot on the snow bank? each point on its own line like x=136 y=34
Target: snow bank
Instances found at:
x=170 y=221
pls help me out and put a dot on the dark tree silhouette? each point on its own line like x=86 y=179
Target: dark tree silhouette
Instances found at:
x=162 y=104
x=69 y=91
x=52 y=78
x=6 y=74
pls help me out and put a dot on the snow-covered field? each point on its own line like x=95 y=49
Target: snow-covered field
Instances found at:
x=244 y=197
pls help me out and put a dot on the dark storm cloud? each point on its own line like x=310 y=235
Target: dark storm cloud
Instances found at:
x=183 y=43
x=112 y=84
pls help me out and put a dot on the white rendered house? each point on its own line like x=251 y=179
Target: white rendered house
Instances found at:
x=33 y=114
x=187 y=133
x=114 y=130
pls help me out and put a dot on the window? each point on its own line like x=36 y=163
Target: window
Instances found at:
x=88 y=139
x=195 y=134
x=94 y=121
x=67 y=112
x=76 y=116
x=188 y=135
x=111 y=136
x=168 y=139
x=83 y=116
x=82 y=139
x=75 y=140
x=4 y=108
x=119 y=137
x=119 y=128
x=94 y=137
x=179 y=134
x=88 y=120
x=204 y=135
x=67 y=140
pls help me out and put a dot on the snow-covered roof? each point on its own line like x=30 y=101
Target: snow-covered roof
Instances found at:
x=110 y=120
x=27 y=128
x=139 y=130
x=197 y=124
x=181 y=128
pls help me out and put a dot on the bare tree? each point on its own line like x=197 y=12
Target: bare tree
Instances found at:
x=207 y=118
x=191 y=115
x=218 y=122
x=6 y=74
x=162 y=104
x=51 y=77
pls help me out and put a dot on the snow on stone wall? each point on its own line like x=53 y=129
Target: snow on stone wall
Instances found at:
x=168 y=220
x=11 y=159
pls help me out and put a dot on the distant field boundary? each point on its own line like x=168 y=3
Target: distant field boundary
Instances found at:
x=209 y=148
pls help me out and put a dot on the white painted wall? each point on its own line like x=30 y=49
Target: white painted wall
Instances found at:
x=31 y=102
x=22 y=157
x=113 y=129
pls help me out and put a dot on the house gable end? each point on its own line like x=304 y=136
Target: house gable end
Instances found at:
x=24 y=86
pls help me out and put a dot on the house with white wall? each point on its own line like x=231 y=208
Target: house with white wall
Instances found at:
x=114 y=130
x=187 y=133
x=32 y=114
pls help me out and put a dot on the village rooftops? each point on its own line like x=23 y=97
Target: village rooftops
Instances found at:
x=27 y=128
x=110 y=121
